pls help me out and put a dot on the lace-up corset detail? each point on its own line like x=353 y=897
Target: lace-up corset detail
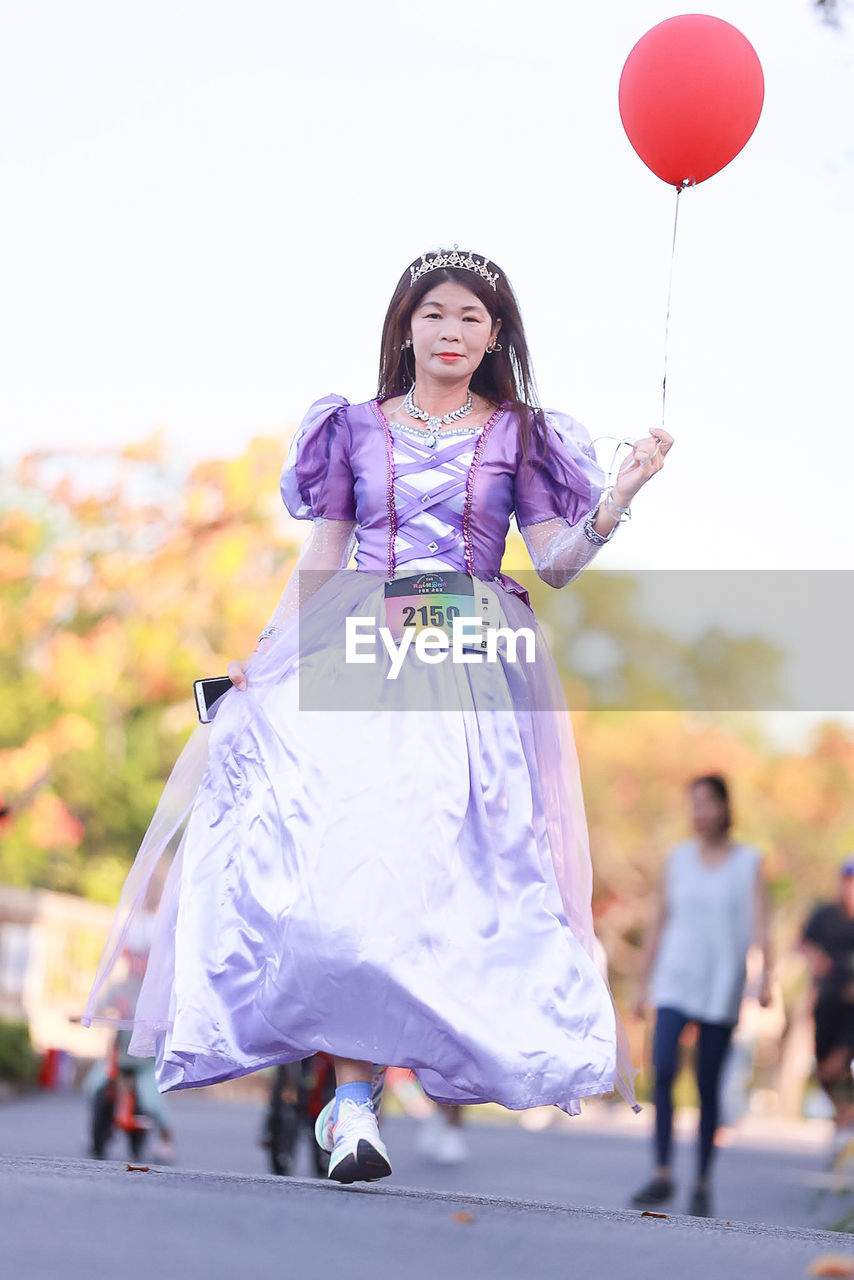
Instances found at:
x=430 y=492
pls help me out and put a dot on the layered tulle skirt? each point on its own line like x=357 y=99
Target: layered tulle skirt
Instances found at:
x=389 y=870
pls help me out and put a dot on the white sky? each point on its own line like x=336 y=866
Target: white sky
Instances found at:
x=207 y=204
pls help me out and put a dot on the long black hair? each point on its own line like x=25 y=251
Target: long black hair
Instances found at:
x=506 y=375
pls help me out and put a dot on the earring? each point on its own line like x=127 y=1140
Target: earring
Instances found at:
x=407 y=344
x=496 y=346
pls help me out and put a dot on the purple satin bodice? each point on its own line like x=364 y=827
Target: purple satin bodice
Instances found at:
x=341 y=466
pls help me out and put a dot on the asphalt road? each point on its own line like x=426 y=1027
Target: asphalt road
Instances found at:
x=545 y=1204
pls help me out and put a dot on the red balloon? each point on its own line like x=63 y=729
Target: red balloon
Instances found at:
x=691 y=95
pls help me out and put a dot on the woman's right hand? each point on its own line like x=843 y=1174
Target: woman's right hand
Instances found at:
x=236 y=672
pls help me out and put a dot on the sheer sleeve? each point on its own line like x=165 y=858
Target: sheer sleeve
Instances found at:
x=560 y=551
x=327 y=549
x=556 y=496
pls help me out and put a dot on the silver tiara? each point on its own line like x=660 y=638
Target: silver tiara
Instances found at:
x=454 y=258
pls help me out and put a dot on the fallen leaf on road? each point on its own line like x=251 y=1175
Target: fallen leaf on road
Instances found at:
x=832 y=1264
x=137 y=1168
x=462 y=1217
x=647 y=1213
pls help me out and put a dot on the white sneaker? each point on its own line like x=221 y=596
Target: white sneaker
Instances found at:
x=450 y=1146
x=163 y=1151
x=441 y=1142
x=323 y=1124
x=358 y=1152
x=429 y=1134
x=323 y=1127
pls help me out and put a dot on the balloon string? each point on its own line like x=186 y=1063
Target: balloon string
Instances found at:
x=679 y=191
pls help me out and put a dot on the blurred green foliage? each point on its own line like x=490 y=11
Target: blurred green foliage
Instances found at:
x=18 y=1061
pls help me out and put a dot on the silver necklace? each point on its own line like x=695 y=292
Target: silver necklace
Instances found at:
x=434 y=423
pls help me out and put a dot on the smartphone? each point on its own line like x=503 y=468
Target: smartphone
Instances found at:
x=207 y=693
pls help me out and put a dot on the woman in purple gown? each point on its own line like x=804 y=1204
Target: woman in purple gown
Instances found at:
x=396 y=870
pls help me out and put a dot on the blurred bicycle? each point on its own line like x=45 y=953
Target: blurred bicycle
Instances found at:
x=115 y=1103
x=298 y=1094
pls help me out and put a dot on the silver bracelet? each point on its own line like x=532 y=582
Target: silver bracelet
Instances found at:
x=614 y=509
x=590 y=533
x=269 y=631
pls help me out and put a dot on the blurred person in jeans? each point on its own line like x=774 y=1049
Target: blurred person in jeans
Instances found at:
x=711 y=904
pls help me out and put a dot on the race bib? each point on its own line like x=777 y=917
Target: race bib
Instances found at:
x=431 y=600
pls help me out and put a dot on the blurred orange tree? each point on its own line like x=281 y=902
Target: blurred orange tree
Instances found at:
x=121 y=581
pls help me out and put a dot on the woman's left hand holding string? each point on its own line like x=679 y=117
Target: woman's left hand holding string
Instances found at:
x=646 y=459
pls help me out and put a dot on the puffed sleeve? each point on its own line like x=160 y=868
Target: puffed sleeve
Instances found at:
x=553 y=494
x=316 y=477
x=566 y=481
